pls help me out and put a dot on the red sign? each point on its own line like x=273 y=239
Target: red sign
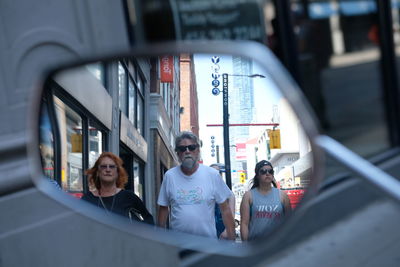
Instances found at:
x=167 y=69
x=241 y=151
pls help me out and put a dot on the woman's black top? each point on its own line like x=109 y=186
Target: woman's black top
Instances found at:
x=125 y=203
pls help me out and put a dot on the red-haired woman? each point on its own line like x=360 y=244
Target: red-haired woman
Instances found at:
x=107 y=179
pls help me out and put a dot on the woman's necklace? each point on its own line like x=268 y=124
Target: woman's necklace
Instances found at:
x=112 y=203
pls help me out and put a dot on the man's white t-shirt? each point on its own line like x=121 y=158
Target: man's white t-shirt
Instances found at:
x=192 y=199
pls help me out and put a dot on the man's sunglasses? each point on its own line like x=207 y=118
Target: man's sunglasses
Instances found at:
x=184 y=148
x=265 y=171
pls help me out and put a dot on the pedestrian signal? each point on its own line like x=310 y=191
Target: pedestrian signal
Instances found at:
x=274 y=139
x=242 y=177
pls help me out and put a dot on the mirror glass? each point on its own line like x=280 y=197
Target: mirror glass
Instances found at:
x=136 y=106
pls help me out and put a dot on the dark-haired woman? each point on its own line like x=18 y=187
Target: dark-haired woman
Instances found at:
x=107 y=179
x=264 y=206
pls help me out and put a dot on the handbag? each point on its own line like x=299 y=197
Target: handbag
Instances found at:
x=134 y=214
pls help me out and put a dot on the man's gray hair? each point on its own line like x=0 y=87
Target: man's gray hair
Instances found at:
x=186 y=135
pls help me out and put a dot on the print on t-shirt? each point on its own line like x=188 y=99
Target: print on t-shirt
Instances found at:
x=190 y=197
x=267 y=211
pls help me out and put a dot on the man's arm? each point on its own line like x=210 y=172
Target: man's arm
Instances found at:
x=231 y=200
x=228 y=219
x=162 y=216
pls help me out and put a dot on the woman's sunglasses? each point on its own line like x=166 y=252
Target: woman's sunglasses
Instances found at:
x=184 y=148
x=105 y=166
x=265 y=171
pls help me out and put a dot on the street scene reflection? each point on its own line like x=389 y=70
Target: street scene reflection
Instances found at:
x=135 y=107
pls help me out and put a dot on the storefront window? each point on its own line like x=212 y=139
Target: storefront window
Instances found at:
x=95 y=144
x=138 y=178
x=131 y=94
x=140 y=106
x=46 y=143
x=131 y=102
x=70 y=125
x=132 y=70
x=140 y=84
x=140 y=116
x=165 y=92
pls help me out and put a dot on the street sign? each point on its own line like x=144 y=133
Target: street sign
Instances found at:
x=219 y=20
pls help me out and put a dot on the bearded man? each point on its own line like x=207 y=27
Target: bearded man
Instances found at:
x=189 y=192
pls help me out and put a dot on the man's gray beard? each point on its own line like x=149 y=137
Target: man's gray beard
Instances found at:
x=188 y=163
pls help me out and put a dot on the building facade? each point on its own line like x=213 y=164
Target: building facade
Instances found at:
x=130 y=107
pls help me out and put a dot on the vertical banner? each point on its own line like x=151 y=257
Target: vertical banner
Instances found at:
x=215 y=75
x=167 y=69
x=225 y=111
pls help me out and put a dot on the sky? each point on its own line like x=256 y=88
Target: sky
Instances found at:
x=210 y=106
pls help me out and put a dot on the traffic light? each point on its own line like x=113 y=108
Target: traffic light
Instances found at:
x=76 y=142
x=242 y=177
x=274 y=139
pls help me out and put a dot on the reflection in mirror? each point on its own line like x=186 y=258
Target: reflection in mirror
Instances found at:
x=135 y=107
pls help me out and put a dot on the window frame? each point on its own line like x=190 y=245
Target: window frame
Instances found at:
x=54 y=89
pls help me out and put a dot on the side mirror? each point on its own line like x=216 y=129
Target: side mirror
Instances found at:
x=245 y=107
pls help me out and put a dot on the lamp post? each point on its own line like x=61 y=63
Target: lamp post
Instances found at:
x=225 y=103
x=225 y=110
